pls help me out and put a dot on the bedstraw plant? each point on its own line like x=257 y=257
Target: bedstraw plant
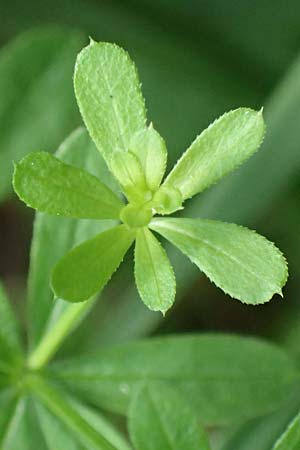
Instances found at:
x=108 y=190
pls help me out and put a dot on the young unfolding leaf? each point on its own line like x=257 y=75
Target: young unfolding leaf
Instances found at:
x=109 y=96
x=223 y=146
x=242 y=263
x=128 y=170
x=153 y=272
x=86 y=269
x=49 y=185
x=227 y=379
x=159 y=418
x=290 y=440
x=151 y=150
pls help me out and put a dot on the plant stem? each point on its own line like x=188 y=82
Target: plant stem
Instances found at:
x=59 y=405
x=53 y=337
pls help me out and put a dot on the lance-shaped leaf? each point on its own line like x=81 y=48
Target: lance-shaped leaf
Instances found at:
x=23 y=431
x=227 y=379
x=241 y=262
x=9 y=329
x=154 y=275
x=290 y=440
x=159 y=419
x=220 y=148
x=86 y=269
x=108 y=93
x=151 y=150
x=49 y=185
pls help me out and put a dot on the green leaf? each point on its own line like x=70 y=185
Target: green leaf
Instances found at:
x=37 y=102
x=23 y=432
x=8 y=401
x=86 y=269
x=290 y=440
x=57 y=433
x=151 y=150
x=109 y=96
x=159 y=418
x=49 y=185
x=59 y=405
x=225 y=378
x=54 y=431
x=128 y=171
x=54 y=236
x=219 y=149
x=9 y=328
x=239 y=261
x=262 y=432
x=154 y=275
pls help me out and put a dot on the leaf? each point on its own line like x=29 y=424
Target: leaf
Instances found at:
x=127 y=169
x=58 y=433
x=160 y=419
x=242 y=263
x=9 y=328
x=49 y=185
x=290 y=440
x=63 y=410
x=109 y=96
x=54 y=236
x=225 y=378
x=23 y=429
x=37 y=103
x=54 y=431
x=8 y=403
x=151 y=150
x=154 y=275
x=261 y=433
x=219 y=149
x=86 y=269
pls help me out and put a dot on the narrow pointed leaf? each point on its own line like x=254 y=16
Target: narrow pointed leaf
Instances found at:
x=58 y=404
x=23 y=431
x=9 y=329
x=242 y=263
x=109 y=97
x=219 y=149
x=290 y=440
x=154 y=275
x=159 y=418
x=57 y=432
x=8 y=402
x=49 y=185
x=86 y=269
x=151 y=150
x=227 y=379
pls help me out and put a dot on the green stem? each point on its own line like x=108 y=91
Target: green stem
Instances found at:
x=53 y=337
x=59 y=405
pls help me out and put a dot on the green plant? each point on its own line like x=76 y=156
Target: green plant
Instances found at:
x=242 y=263
x=166 y=386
